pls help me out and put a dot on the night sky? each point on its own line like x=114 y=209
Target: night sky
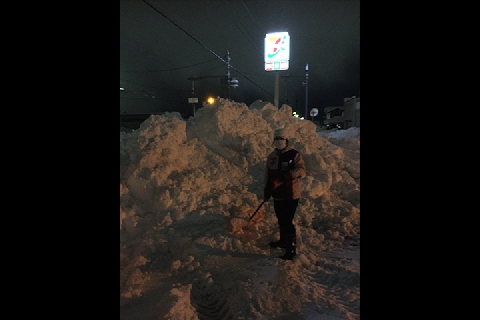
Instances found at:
x=163 y=46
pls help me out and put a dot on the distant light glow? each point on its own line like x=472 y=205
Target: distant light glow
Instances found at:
x=210 y=100
x=121 y=89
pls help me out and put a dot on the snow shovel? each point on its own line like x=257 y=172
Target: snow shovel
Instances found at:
x=237 y=223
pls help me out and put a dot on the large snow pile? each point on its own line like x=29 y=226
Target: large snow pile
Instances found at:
x=180 y=183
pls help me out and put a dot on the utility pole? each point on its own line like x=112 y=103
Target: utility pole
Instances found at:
x=231 y=82
x=193 y=95
x=305 y=83
x=228 y=73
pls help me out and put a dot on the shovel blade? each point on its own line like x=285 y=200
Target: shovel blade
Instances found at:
x=243 y=219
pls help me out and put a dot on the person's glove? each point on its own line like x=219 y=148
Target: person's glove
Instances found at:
x=267 y=193
x=277 y=183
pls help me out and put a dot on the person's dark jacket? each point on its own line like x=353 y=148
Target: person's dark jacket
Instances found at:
x=284 y=166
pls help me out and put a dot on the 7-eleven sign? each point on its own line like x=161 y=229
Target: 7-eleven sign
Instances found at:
x=277 y=51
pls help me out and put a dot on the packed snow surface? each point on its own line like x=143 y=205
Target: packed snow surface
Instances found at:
x=181 y=182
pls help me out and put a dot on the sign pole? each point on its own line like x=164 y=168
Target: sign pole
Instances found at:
x=277 y=86
x=313 y=113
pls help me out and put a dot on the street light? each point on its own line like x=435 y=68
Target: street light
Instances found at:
x=210 y=100
x=305 y=83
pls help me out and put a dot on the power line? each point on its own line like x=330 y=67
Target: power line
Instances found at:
x=250 y=14
x=140 y=84
x=273 y=75
x=255 y=25
x=172 y=69
x=188 y=34
x=132 y=98
x=255 y=46
x=202 y=72
x=251 y=81
x=139 y=90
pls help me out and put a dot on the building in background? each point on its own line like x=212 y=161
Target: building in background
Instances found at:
x=333 y=117
x=343 y=117
x=351 y=114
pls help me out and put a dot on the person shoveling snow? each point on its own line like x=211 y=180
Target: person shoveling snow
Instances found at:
x=285 y=168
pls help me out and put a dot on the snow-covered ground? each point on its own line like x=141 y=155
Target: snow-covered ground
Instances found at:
x=180 y=184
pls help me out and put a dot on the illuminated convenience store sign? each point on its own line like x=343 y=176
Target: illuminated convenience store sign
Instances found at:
x=277 y=51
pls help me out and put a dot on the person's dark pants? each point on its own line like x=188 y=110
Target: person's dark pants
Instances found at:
x=285 y=211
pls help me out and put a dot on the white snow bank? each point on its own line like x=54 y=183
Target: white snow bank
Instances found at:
x=353 y=132
x=181 y=182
